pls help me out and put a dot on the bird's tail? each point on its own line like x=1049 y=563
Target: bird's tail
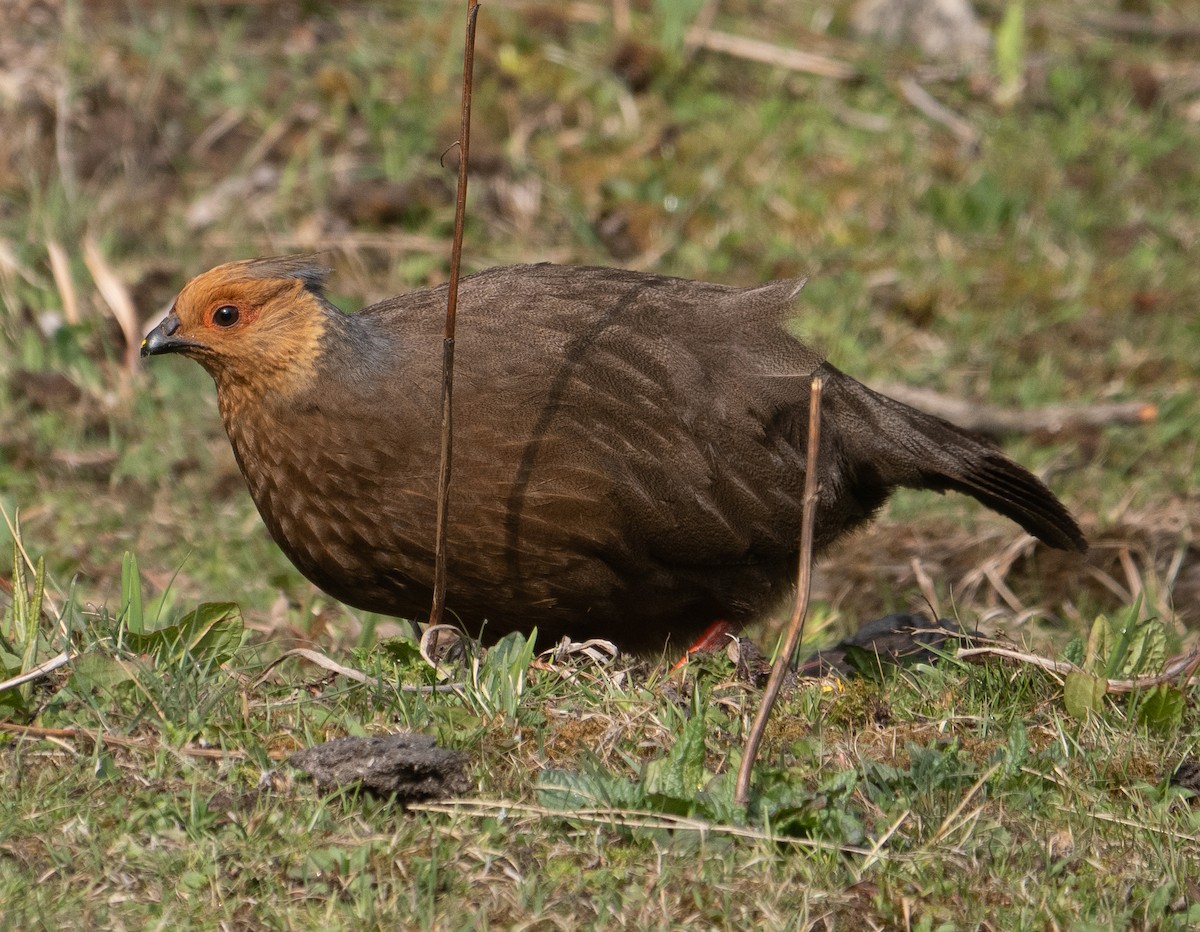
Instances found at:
x=910 y=448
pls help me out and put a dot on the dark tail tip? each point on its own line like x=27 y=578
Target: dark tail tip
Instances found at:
x=1016 y=493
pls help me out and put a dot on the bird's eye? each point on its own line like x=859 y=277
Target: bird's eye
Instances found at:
x=225 y=316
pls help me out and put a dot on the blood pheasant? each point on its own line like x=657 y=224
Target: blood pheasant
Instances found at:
x=629 y=448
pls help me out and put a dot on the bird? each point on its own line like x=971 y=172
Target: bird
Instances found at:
x=629 y=448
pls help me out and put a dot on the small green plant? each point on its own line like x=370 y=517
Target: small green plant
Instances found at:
x=22 y=640
x=211 y=633
x=1118 y=649
x=25 y=641
x=496 y=679
x=678 y=783
x=671 y=783
x=145 y=652
x=131 y=595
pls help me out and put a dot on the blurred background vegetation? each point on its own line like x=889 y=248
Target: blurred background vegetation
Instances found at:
x=1006 y=211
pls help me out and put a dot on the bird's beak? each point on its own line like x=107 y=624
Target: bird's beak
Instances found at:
x=163 y=339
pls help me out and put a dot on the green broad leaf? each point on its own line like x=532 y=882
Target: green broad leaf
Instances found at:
x=1162 y=708
x=131 y=595
x=1146 y=648
x=866 y=663
x=212 y=633
x=97 y=672
x=520 y=657
x=33 y=621
x=1016 y=750
x=789 y=808
x=403 y=654
x=674 y=17
x=680 y=775
x=1075 y=651
x=12 y=705
x=1122 y=638
x=10 y=662
x=401 y=651
x=498 y=679
x=1083 y=693
x=597 y=788
x=1098 y=645
x=453 y=721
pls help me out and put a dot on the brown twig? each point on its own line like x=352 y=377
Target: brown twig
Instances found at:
x=997 y=421
x=460 y=213
x=622 y=18
x=1182 y=668
x=795 y=630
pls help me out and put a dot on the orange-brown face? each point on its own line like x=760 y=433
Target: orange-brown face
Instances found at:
x=252 y=321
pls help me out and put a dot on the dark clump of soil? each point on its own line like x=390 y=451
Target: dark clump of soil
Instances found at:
x=409 y=767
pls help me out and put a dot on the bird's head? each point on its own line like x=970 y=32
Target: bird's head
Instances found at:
x=258 y=322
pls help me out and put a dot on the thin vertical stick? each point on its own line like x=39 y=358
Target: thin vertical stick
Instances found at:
x=795 y=629
x=460 y=214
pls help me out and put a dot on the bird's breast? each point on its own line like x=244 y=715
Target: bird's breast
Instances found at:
x=330 y=496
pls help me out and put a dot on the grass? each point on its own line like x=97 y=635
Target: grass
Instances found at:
x=1056 y=263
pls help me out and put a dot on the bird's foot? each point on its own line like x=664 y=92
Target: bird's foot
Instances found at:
x=714 y=638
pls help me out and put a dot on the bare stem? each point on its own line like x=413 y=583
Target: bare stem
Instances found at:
x=460 y=214
x=795 y=629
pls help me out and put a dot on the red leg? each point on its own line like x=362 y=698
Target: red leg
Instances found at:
x=714 y=638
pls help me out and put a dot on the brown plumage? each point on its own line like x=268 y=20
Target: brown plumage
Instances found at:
x=629 y=448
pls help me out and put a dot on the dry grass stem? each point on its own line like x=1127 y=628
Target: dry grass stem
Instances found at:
x=920 y=98
x=117 y=297
x=925 y=584
x=795 y=630
x=315 y=657
x=1141 y=26
x=149 y=746
x=624 y=818
x=42 y=669
x=60 y=268
x=326 y=663
x=768 y=53
x=460 y=216
x=948 y=823
x=998 y=421
x=1182 y=668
